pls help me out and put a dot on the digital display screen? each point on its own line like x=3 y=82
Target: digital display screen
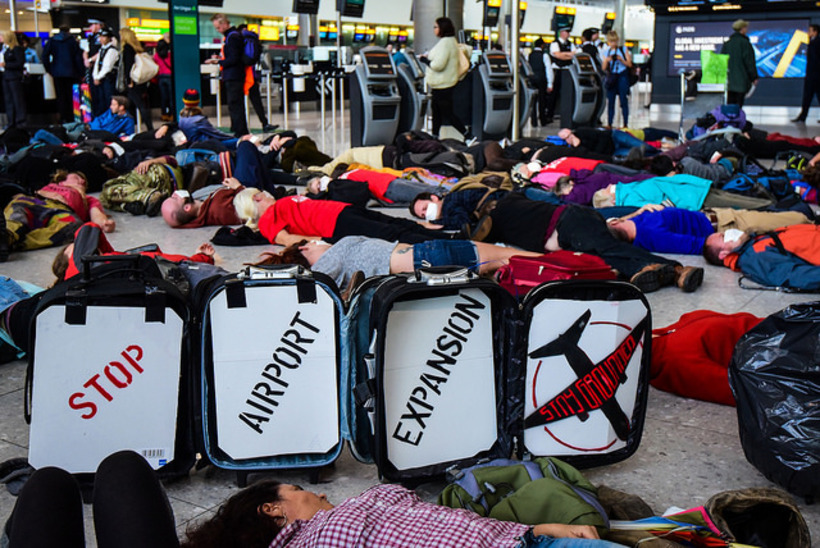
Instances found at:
x=306 y=6
x=780 y=45
x=491 y=16
x=358 y=37
x=585 y=63
x=350 y=8
x=498 y=63
x=562 y=20
x=379 y=62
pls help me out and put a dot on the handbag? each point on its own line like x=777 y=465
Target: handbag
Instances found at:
x=463 y=63
x=610 y=79
x=144 y=68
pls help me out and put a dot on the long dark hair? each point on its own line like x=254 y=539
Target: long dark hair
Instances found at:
x=445 y=27
x=239 y=522
x=289 y=255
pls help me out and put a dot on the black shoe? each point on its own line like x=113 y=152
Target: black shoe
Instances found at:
x=134 y=208
x=154 y=204
x=654 y=276
x=5 y=248
x=270 y=128
x=799 y=120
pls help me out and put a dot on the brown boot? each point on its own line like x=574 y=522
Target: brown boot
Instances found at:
x=652 y=277
x=688 y=278
x=482 y=229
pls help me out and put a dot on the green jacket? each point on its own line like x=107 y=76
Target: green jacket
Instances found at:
x=742 y=67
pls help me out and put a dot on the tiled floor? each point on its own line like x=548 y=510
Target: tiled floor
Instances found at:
x=690 y=449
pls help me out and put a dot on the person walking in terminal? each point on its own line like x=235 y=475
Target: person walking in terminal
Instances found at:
x=742 y=67
x=442 y=75
x=233 y=72
x=811 y=84
x=616 y=64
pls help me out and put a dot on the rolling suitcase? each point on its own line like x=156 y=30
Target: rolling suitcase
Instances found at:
x=273 y=370
x=451 y=372
x=108 y=369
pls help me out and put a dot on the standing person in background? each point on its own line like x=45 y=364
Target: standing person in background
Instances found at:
x=394 y=49
x=31 y=53
x=590 y=46
x=95 y=27
x=233 y=72
x=541 y=67
x=617 y=62
x=63 y=60
x=811 y=84
x=136 y=92
x=742 y=65
x=162 y=57
x=14 y=57
x=442 y=75
x=562 y=50
x=104 y=73
x=251 y=88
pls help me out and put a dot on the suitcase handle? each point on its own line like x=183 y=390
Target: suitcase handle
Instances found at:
x=132 y=260
x=273 y=272
x=442 y=275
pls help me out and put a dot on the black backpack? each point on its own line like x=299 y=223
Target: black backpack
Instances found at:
x=775 y=379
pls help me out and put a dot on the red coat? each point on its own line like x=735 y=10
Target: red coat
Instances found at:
x=691 y=357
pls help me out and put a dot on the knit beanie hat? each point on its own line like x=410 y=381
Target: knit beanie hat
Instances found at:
x=190 y=98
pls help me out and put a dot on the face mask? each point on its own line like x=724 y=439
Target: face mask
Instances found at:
x=432 y=211
x=733 y=235
x=323 y=182
x=534 y=167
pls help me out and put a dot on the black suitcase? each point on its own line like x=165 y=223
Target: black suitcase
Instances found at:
x=108 y=369
x=452 y=372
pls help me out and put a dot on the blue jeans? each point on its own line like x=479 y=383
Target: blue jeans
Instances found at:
x=445 y=253
x=624 y=142
x=543 y=541
x=621 y=90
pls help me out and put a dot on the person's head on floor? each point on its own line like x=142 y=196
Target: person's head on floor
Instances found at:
x=60 y=264
x=292 y=254
x=119 y=105
x=255 y=515
x=623 y=230
x=567 y=135
x=74 y=179
x=604 y=197
x=426 y=206
x=563 y=186
x=811 y=176
x=316 y=183
x=250 y=204
x=220 y=22
x=179 y=209
x=662 y=165
x=112 y=150
x=741 y=26
x=282 y=139
x=444 y=27
x=720 y=245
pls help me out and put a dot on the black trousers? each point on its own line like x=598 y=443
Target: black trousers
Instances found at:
x=235 y=93
x=131 y=509
x=15 y=102
x=255 y=99
x=442 y=107
x=166 y=94
x=138 y=93
x=360 y=221
x=735 y=98
x=552 y=97
x=64 y=88
x=539 y=111
x=811 y=89
x=584 y=229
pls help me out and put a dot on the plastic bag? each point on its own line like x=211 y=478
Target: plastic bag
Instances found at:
x=775 y=377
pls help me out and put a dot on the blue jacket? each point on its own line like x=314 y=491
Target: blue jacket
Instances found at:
x=672 y=230
x=458 y=207
x=62 y=57
x=232 y=66
x=198 y=128
x=114 y=123
x=683 y=191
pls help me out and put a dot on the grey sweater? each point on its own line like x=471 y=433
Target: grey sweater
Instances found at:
x=352 y=253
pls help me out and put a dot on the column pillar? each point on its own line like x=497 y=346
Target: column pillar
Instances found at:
x=425 y=13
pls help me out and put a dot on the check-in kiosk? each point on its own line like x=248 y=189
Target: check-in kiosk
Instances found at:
x=493 y=95
x=374 y=99
x=414 y=100
x=528 y=93
x=581 y=93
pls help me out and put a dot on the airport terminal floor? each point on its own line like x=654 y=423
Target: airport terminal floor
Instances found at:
x=690 y=449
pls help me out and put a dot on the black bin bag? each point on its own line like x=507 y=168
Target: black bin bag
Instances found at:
x=775 y=377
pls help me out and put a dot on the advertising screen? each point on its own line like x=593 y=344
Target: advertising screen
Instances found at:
x=780 y=45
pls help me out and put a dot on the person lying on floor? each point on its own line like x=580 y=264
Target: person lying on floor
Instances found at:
x=540 y=226
x=90 y=240
x=611 y=142
x=719 y=169
x=142 y=190
x=131 y=510
x=672 y=230
x=292 y=219
x=375 y=257
x=581 y=185
x=53 y=214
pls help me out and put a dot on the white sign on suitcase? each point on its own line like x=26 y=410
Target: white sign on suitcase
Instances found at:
x=108 y=385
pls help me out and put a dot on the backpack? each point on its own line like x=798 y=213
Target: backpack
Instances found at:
x=775 y=380
x=776 y=267
x=251 y=48
x=544 y=490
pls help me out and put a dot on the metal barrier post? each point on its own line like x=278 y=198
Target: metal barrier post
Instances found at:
x=218 y=103
x=333 y=111
x=247 y=114
x=268 y=96
x=285 y=103
x=323 y=108
x=342 y=105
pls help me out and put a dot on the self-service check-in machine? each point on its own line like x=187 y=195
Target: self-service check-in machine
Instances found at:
x=493 y=95
x=581 y=93
x=374 y=99
x=414 y=100
x=527 y=93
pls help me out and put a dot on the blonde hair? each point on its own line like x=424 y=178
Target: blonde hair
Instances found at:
x=129 y=37
x=602 y=198
x=612 y=36
x=246 y=208
x=10 y=39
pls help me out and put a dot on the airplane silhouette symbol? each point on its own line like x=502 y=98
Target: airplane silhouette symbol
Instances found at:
x=567 y=345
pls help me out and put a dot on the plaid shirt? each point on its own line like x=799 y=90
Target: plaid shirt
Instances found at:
x=392 y=516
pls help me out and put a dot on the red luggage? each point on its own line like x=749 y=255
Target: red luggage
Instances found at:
x=524 y=273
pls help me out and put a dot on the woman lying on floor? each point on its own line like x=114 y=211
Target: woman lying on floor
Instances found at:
x=131 y=510
x=374 y=257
